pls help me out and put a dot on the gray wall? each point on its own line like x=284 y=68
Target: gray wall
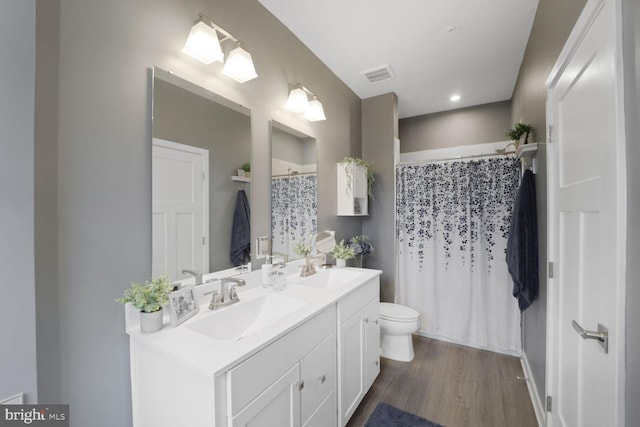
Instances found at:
x=631 y=46
x=18 y=363
x=184 y=117
x=101 y=169
x=379 y=130
x=472 y=125
x=553 y=22
x=285 y=146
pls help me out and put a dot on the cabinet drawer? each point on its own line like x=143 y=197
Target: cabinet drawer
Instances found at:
x=251 y=377
x=352 y=303
x=318 y=371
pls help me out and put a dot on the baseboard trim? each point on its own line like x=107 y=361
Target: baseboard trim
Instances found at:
x=466 y=344
x=538 y=407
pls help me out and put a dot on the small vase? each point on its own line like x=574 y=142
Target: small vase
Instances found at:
x=150 y=322
x=358 y=262
x=341 y=263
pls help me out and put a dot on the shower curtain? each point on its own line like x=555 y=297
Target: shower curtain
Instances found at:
x=294 y=211
x=452 y=225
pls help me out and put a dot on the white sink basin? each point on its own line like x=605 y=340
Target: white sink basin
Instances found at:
x=244 y=318
x=327 y=279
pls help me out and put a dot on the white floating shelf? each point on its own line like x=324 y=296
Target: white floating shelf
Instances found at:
x=527 y=153
x=240 y=178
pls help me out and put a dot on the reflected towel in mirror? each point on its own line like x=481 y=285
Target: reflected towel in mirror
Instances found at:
x=241 y=231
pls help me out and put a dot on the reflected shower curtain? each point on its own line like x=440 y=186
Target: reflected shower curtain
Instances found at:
x=452 y=225
x=294 y=211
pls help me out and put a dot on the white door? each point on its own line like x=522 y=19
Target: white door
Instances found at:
x=180 y=205
x=587 y=224
x=277 y=406
x=372 y=342
x=351 y=348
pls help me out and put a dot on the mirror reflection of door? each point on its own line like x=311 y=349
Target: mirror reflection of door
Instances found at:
x=192 y=116
x=180 y=208
x=294 y=188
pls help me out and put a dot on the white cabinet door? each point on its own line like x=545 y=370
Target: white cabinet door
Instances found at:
x=351 y=365
x=278 y=405
x=318 y=373
x=372 y=342
x=359 y=182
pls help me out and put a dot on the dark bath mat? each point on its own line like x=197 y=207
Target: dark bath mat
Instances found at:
x=388 y=416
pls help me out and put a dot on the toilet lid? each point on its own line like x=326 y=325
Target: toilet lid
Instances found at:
x=397 y=311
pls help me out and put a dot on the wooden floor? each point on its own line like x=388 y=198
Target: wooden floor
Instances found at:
x=454 y=386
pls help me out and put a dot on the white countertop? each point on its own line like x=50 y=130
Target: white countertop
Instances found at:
x=213 y=357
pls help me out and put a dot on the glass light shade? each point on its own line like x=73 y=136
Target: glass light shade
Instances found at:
x=297 y=101
x=203 y=44
x=315 y=112
x=239 y=65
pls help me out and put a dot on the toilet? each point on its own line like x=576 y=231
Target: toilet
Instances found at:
x=397 y=323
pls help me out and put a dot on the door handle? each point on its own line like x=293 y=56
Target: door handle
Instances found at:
x=601 y=335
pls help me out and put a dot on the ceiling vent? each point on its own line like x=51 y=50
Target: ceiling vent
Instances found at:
x=379 y=73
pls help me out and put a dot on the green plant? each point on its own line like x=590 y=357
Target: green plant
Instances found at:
x=343 y=251
x=348 y=171
x=150 y=296
x=518 y=130
x=246 y=167
x=301 y=248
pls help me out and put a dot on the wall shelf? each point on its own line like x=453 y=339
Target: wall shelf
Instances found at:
x=240 y=178
x=527 y=153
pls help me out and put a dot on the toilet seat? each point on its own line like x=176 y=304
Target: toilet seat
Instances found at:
x=397 y=313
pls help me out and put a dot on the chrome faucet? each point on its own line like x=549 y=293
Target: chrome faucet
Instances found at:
x=308 y=268
x=228 y=294
x=198 y=276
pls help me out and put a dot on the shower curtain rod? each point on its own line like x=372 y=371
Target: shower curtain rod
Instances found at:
x=295 y=174
x=472 y=156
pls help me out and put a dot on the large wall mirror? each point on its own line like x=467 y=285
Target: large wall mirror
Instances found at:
x=200 y=140
x=294 y=189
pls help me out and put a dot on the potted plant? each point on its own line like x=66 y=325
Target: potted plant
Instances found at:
x=149 y=299
x=517 y=131
x=358 y=161
x=361 y=247
x=245 y=170
x=342 y=252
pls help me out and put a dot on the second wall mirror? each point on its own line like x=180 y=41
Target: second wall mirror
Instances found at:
x=294 y=190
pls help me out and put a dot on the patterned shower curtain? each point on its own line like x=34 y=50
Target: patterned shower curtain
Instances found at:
x=294 y=211
x=452 y=225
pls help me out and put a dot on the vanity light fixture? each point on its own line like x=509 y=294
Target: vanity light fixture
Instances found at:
x=455 y=98
x=298 y=102
x=204 y=45
x=239 y=65
x=315 y=112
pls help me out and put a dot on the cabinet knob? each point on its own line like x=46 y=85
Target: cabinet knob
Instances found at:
x=375 y=321
x=366 y=320
x=376 y=362
x=322 y=378
x=300 y=384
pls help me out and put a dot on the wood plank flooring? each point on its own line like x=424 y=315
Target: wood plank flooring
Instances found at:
x=454 y=386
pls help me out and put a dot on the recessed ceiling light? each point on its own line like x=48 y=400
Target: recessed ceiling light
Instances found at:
x=455 y=98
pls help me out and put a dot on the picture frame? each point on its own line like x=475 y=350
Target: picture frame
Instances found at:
x=183 y=305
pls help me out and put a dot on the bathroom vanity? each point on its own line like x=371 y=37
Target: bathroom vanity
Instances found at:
x=304 y=356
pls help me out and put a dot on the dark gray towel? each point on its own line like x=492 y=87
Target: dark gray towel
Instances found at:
x=241 y=231
x=522 y=243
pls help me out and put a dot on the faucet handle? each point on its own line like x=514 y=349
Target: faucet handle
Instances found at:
x=215 y=300
x=233 y=294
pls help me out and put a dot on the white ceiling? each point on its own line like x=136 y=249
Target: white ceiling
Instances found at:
x=479 y=60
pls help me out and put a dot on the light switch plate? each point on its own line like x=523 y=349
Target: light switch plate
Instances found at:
x=263 y=247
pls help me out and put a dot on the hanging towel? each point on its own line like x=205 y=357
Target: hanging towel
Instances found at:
x=241 y=231
x=522 y=243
